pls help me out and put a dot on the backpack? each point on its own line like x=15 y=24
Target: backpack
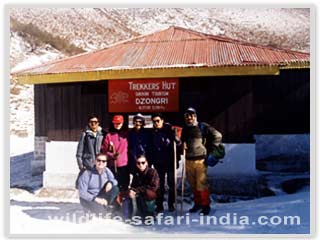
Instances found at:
x=215 y=153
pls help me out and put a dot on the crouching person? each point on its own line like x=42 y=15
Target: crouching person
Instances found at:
x=141 y=198
x=98 y=187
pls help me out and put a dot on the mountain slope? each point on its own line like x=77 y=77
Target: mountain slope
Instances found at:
x=94 y=28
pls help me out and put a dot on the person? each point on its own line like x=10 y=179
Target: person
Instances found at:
x=89 y=145
x=115 y=146
x=142 y=194
x=138 y=141
x=162 y=157
x=98 y=187
x=196 y=169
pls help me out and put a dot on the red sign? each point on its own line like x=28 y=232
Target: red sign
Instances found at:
x=143 y=95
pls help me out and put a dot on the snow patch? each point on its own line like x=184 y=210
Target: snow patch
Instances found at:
x=19 y=145
x=35 y=216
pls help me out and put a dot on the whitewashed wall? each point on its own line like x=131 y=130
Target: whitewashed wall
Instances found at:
x=61 y=165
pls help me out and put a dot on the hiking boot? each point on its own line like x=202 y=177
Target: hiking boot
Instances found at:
x=195 y=208
x=171 y=208
x=205 y=210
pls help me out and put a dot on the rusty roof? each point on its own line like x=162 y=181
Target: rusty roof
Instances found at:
x=182 y=51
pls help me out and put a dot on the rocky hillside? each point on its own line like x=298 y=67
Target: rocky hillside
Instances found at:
x=39 y=35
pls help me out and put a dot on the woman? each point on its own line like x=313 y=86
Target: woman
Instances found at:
x=115 y=146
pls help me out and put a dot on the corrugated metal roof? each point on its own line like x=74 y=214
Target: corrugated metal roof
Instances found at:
x=174 y=47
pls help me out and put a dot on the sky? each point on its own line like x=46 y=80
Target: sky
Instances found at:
x=4 y=84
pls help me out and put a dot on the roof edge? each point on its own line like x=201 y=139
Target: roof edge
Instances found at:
x=147 y=73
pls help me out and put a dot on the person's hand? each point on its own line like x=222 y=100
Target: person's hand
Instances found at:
x=116 y=155
x=101 y=201
x=132 y=194
x=184 y=146
x=108 y=187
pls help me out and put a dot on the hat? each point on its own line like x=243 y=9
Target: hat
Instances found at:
x=140 y=117
x=117 y=119
x=191 y=110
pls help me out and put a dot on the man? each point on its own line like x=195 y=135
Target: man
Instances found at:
x=89 y=145
x=143 y=191
x=98 y=187
x=194 y=144
x=162 y=156
x=138 y=141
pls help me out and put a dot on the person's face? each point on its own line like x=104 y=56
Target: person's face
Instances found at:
x=141 y=163
x=117 y=126
x=93 y=124
x=189 y=118
x=157 y=122
x=101 y=162
x=137 y=124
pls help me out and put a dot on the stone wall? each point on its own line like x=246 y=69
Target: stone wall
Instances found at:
x=39 y=161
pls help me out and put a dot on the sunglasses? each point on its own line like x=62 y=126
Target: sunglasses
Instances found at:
x=93 y=122
x=138 y=121
x=141 y=163
x=99 y=160
x=187 y=115
x=156 y=121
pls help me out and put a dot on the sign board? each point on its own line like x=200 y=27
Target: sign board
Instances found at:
x=144 y=95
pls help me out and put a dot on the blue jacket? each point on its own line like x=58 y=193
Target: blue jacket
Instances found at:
x=91 y=182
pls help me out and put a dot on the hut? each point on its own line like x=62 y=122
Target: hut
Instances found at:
x=242 y=89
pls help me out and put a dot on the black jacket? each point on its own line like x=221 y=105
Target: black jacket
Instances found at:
x=138 y=143
x=162 y=151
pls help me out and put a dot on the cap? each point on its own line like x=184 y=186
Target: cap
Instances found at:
x=138 y=116
x=191 y=110
x=117 y=119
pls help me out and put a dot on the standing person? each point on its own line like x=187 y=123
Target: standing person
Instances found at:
x=98 y=187
x=195 y=144
x=89 y=145
x=143 y=191
x=162 y=156
x=115 y=146
x=138 y=140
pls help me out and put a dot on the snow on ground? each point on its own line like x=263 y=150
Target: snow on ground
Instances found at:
x=24 y=55
x=21 y=145
x=30 y=214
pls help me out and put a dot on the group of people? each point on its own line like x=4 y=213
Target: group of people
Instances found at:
x=106 y=159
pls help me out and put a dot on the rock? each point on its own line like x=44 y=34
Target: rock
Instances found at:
x=293 y=185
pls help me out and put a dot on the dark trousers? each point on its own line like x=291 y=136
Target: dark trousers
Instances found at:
x=137 y=207
x=123 y=177
x=170 y=181
x=96 y=207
